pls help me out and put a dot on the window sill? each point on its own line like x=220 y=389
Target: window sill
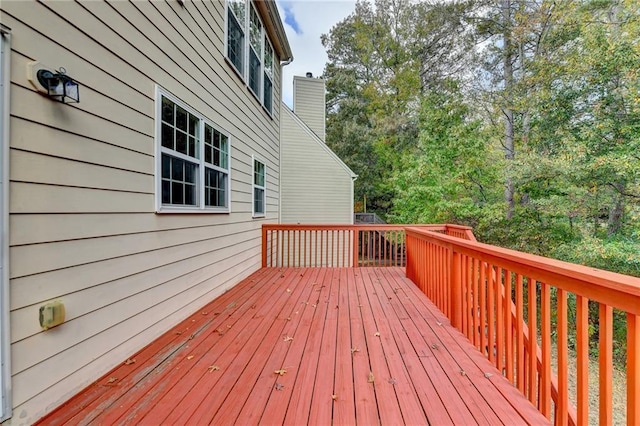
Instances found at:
x=259 y=216
x=190 y=210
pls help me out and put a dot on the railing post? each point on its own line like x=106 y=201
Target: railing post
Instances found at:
x=455 y=289
x=633 y=369
x=264 y=246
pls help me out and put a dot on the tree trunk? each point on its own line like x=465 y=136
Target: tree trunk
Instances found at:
x=616 y=212
x=509 y=150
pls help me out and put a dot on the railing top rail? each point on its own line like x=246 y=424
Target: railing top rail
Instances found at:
x=293 y=226
x=616 y=290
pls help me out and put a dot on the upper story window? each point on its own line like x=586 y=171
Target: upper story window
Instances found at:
x=252 y=55
x=236 y=17
x=259 y=188
x=193 y=160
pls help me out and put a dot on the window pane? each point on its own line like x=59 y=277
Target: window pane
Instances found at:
x=177 y=172
x=235 y=42
x=268 y=93
x=192 y=147
x=258 y=200
x=166 y=167
x=255 y=36
x=167 y=110
x=216 y=188
x=181 y=142
x=166 y=192
x=238 y=8
x=258 y=178
x=268 y=57
x=181 y=119
x=177 y=193
x=224 y=148
x=190 y=194
x=254 y=72
x=193 y=125
x=167 y=136
x=207 y=153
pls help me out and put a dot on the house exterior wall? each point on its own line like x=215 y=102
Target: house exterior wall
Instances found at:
x=84 y=229
x=309 y=103
x=316 y=185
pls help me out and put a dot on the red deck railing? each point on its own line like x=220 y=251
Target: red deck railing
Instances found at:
x=342 y=245
x=485 y=291
x=507 y=303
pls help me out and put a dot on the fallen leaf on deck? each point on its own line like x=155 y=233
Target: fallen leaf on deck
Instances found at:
x=112 y=379
x=392 y=381
x=129 y=361
x=487 y=375
x=334 y=397
x=213 y=368
x=279 y=386
x=313 y=306
x=439 y=323
x=371 y=378
x=354 y=350
x=463 y=373
x=435 y=346
x=204 y=313
x=231 y=305
x=178 y=332
x=288 y=290
x=289 y=319
x=288 y=338
x=190 y=357
x=281 y=372
x=377 y=334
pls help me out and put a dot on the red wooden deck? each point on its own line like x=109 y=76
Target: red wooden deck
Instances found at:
x=307 y=346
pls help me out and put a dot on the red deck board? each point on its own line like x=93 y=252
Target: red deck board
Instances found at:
x=333 y=316
x=191 y=361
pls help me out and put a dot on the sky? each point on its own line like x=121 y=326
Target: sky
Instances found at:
x=304 y=22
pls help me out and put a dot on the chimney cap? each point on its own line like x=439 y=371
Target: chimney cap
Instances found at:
x=309 y=75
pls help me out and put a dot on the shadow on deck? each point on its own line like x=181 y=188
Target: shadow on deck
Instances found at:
x=307 y=346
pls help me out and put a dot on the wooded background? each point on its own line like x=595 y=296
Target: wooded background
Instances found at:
x=519 y=118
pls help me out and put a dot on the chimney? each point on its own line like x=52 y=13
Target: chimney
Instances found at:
x=309 y=102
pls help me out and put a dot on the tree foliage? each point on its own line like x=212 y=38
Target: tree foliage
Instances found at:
x=520 y=118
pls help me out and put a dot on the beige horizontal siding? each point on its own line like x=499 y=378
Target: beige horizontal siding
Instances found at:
x=316 y=188
x=82 y=192
x=309 y=103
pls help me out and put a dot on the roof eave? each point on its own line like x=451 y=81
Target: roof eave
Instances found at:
x=271 y=17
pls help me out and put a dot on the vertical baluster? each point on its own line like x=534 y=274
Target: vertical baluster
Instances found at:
x=520 y=366
x=508 y=325
x=469 y=283
x=491 y=318
x=475 y=340
x=562 y=405
x=533 y=343
x=582 y=355
x=499 y=289
x=545 y=335
x=633 y=369
x=454 y=286
x=463 y=289
x=483 y=308
x=606 y=363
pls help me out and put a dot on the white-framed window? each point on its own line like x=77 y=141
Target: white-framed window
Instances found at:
x=192 y=160
x=252 y=56
x=267 y=85
x=259 y=188
x=236 y=24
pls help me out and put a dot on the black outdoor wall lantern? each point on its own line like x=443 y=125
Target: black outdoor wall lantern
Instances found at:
x=59 y=85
